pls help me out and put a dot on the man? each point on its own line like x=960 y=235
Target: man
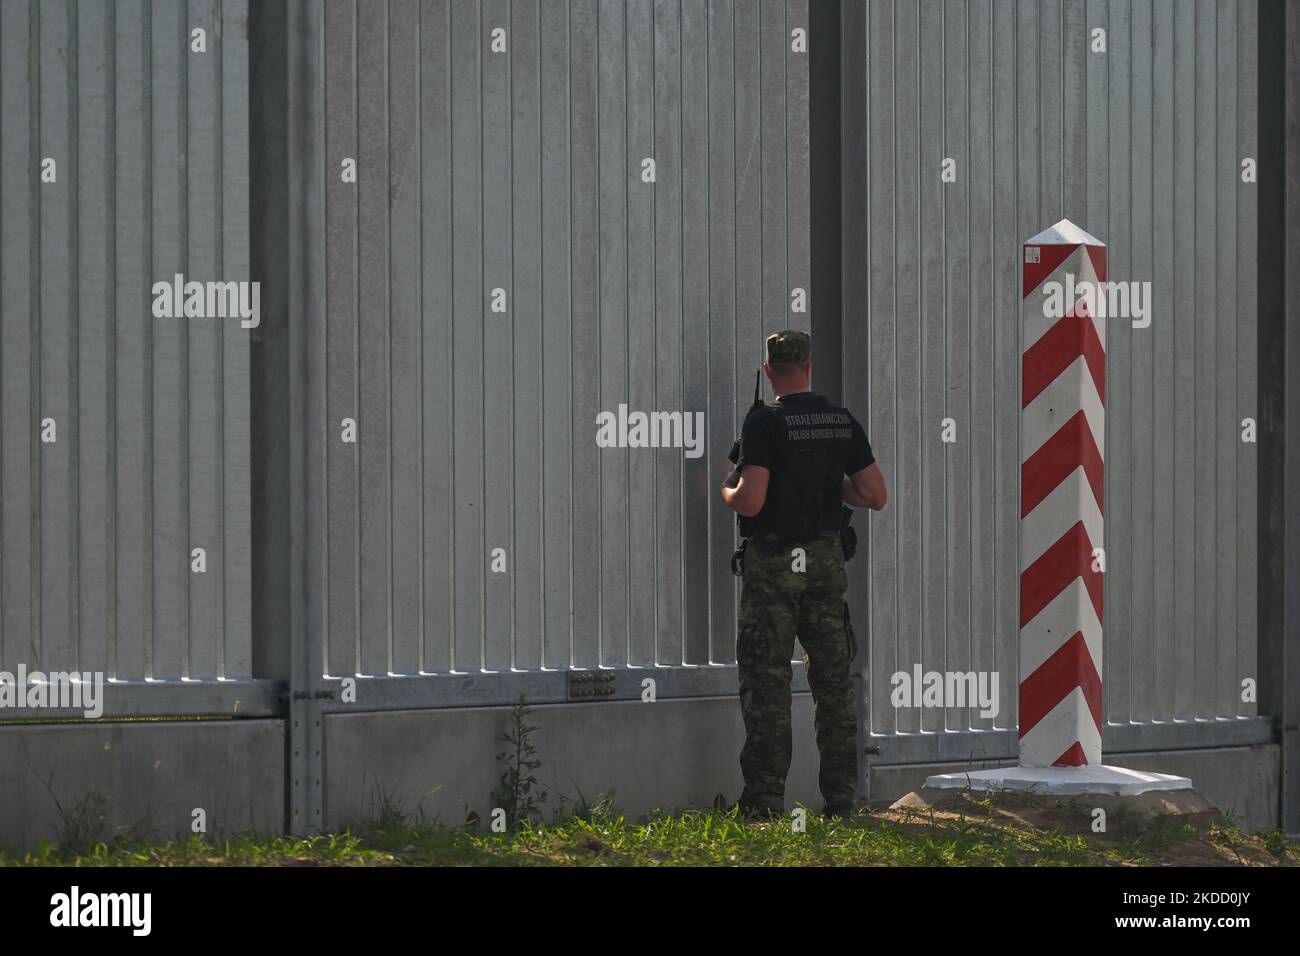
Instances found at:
x=799 y=458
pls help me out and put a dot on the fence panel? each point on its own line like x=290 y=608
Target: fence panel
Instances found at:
x=609 y=206
x=1132 y=119
x=124 y=437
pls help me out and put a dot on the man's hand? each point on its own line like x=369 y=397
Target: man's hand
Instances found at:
x=747 y=493
x=849 y=494
x=865 y=488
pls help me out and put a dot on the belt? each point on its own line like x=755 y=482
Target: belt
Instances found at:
x=770 y=541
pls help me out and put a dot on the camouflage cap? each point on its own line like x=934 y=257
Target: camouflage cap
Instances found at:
x=789 y=346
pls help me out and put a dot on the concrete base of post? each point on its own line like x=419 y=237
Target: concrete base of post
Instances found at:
x=1060 y=781
x=1063 y=811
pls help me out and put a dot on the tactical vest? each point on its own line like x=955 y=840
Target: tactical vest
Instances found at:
x=804 y=491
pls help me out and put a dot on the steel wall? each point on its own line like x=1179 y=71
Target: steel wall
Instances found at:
x=152 y=415
x=520 y=171
x=1140 y=145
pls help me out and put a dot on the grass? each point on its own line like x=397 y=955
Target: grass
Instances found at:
x=601 y=836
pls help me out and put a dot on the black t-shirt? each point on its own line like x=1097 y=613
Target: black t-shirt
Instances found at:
x=760 y=434
x=806 y=443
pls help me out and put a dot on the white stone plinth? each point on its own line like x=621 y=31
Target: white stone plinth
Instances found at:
x=1090 y=778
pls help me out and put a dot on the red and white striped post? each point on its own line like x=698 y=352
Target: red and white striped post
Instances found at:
x=1062 y=454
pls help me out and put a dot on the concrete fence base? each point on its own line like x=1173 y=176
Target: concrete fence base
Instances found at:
x=441 y=763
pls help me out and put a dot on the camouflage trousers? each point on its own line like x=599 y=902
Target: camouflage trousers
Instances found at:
x=778 y=603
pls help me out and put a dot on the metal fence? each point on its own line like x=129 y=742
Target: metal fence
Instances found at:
x=1132 y=119
x=500 y=273
x=499 y=270
x=125 y=438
